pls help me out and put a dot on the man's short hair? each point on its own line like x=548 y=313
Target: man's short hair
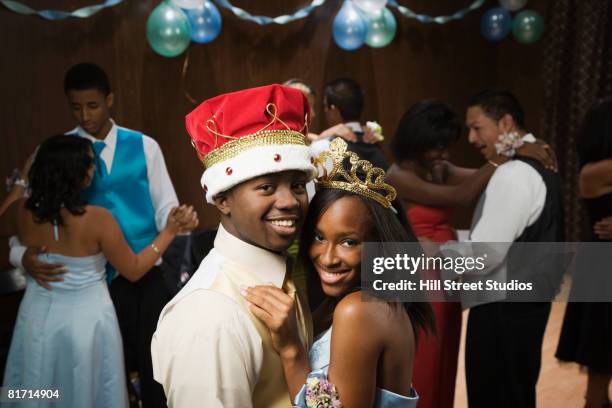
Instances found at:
x=345 y=94
x=497 y=103
x=86 y=76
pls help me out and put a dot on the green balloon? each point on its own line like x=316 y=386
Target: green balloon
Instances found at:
x=381 y=28
x=527 y=26
x=168 y=30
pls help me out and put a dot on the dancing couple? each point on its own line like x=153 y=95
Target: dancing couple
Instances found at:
x=238 y=334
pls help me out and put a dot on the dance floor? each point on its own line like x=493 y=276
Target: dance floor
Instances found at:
x=559 y=385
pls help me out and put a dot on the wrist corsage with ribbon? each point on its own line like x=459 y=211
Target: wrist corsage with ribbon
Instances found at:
x=320 y=393
x=14 y=179
x=507 y=143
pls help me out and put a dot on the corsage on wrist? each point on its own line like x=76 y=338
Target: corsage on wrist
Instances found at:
x=15 y=180
x=507 y=143
x=320 y=393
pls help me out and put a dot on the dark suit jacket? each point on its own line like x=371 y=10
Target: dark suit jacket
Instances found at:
x=370 y=152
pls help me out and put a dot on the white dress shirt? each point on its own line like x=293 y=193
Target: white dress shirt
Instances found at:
x=162 y=192
x=206 y=351
x=512 y=201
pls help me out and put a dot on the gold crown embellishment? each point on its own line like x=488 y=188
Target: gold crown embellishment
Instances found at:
x=362 y=178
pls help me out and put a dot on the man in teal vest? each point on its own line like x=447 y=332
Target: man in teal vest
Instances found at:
x=131 y=181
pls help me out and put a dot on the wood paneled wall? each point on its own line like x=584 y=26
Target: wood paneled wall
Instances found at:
x=449 y=61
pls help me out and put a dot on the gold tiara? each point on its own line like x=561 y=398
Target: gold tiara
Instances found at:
x=362 y=178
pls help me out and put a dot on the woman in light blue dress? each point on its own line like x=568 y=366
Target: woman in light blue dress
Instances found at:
x=364 y=352
x=67 y=338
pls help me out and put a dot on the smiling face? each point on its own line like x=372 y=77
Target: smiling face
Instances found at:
x=266 y=211
x=336 y=249
x=91 y=109
x=484 y=130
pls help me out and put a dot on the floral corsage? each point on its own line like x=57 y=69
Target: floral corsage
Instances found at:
x=12 y=179
x=320 y=393
x=376 y=129
x=507 y=143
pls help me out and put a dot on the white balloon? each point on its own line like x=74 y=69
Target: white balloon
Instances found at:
x=188 y=4
x=513 y=5
x=370 y=6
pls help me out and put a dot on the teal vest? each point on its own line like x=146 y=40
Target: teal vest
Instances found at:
x=125 y=192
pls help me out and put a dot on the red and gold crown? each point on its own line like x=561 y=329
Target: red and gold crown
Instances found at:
x=249 y=133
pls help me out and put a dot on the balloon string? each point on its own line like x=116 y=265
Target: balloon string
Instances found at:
x=83 y=12
x=423 y=18
x=264 y=20
x=184 y=79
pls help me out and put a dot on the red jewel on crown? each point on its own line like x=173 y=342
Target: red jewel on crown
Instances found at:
x=229 y=171
x=277 y=157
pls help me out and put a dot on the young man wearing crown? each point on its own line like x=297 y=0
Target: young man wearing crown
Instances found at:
x=209 y=350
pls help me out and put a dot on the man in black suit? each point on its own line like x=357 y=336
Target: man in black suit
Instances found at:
x=343 y=103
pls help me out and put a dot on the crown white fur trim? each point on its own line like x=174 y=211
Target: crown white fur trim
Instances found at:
x=253 y=163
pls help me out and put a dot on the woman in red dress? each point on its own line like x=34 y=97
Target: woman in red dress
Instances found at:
x=430 y=187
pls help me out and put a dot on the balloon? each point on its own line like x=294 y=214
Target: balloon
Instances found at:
x=168 y=30
x=188 y=4
x=370 y=6
x=381 y=28
x=205 y=22
x=512 y=5
x=528 y=27
x=349 y=28
x=495 y=24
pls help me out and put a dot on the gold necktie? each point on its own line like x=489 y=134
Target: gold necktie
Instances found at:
x=303 y=318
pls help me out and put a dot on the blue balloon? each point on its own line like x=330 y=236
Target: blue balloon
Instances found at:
x=205 y=22
x=495 y=24
x=349 y=28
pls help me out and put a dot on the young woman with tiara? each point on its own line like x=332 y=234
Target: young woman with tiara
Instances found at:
x=363 y=354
